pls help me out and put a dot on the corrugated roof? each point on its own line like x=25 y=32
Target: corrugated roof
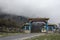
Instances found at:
x=38 y=19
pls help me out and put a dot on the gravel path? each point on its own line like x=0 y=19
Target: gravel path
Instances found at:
x=21 y=36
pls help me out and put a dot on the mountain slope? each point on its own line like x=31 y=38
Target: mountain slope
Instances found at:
x=18 y=19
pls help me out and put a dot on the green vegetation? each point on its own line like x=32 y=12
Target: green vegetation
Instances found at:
x=47 y=37
x=8 y=34
x=9 y=26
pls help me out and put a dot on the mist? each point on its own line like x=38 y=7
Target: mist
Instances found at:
x=33 y=8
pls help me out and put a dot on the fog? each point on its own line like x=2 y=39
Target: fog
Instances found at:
x=33 y=8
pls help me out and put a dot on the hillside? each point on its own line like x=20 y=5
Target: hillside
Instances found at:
x=11 y=23
x=18 y=19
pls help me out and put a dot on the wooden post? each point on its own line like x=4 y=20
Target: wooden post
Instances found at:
x=46 y=27
x=52 y=29
x=30 y=25
x=25 y=27
x=29 y=29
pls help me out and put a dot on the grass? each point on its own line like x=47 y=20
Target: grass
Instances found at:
x=47 y=37
x=8 y=34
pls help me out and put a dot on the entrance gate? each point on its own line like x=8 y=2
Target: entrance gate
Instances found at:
x=31 y=20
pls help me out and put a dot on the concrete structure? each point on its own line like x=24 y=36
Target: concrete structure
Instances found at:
x=28 y=26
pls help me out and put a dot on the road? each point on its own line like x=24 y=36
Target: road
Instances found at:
x=19 y=37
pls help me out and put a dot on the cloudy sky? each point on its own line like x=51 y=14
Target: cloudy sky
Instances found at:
x=33 y=8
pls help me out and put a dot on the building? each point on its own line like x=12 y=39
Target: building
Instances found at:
x=52 y=27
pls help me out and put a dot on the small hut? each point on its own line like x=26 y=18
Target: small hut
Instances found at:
x=52 y=27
